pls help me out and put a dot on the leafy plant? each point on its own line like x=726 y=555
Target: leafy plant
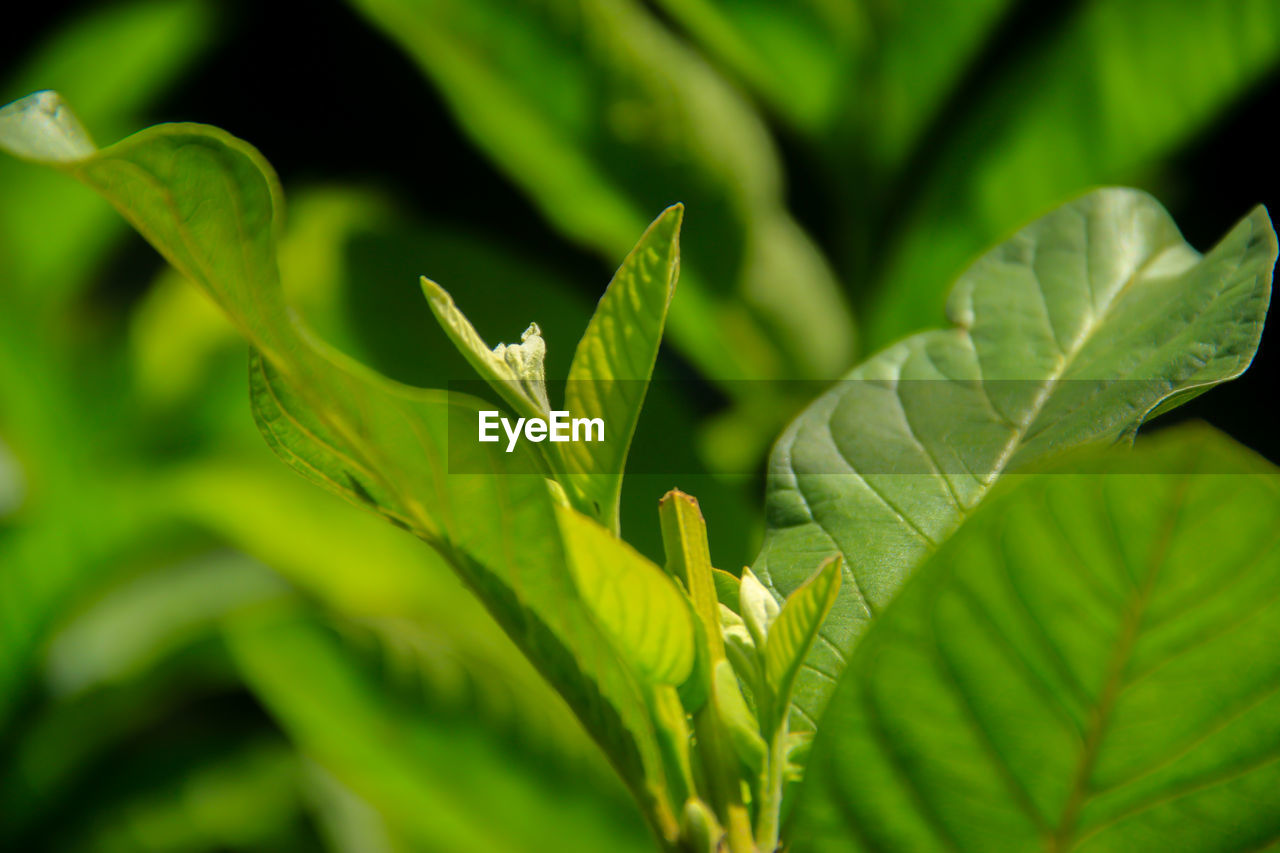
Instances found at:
x=701 y=686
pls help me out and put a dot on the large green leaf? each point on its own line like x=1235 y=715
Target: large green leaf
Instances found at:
x=360 y=569
x=1115 y=89
x=1089 y=664
x=1074 y=331
x=602 y=116
x=209 y=203
x=435 y=772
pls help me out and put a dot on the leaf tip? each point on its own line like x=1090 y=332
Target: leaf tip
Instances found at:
x=675 y=497
x=42 y=127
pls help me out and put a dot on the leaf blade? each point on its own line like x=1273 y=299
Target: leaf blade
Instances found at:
x=210 y=204
x=1057 y=737
x=794 y=630
x=614 y=360
x=635 y=601
x=1070 y=333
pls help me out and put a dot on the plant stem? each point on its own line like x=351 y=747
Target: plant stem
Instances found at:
x=770 y=812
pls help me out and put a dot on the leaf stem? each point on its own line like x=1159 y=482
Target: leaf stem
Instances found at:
x=768 y=816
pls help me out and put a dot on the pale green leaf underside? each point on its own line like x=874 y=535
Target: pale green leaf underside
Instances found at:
x=1089 y=664
x=1069 y=333
x=614 y=361
x=209 y=203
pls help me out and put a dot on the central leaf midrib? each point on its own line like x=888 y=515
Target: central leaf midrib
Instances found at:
x=1099 y=318
x=1019 y=431
x=1064 y=835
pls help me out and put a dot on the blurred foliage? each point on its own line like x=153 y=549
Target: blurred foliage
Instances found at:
x=199 y=651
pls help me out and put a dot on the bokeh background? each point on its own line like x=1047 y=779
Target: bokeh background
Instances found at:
x=198 y=650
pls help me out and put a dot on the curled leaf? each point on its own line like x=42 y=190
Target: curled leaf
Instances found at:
x=759 y=607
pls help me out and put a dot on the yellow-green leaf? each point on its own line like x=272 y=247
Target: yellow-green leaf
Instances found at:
x=637 y=603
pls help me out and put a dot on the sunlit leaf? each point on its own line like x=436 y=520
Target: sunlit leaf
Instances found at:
x=633 y=599
x=209 y=203
x=1089 y=664
x=1072 y=332
x=614 y=361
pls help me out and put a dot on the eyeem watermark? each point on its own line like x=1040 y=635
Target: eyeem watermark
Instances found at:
x=559 y=427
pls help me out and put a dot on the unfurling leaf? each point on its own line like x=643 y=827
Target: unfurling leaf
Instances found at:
x=759 y=607
x=516 y=371
x=794 y=630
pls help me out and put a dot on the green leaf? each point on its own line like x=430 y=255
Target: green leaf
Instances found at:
x=114 y=61
x=1089 y=664
x=759 y=607
x=614 y=362
x=436 y=773
x=736 y=718
x=799 y=57
x=727 y=589
x=864 y=78
x=635 y=601
x=325 y=548
x=209 y=203
x=684 y=539
x=793 y=632
x=1070 y=333
x=915 y=63
x=602 y=116
x=1111 y=93
x=516 y=371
